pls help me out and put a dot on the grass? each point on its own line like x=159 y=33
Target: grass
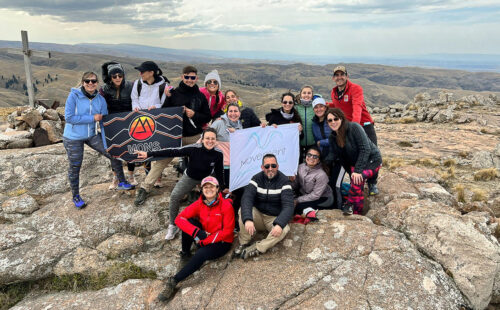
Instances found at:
x=17 y=192
x=116 y=274
x=446 y=174
x=405 y=144
x=463 y=154
x=393 y=163
x=486 y=174
x=450 y=163
x=484 y=130
x=478 y=195
x=426 y=162
x=401 y=120
x=460 y=189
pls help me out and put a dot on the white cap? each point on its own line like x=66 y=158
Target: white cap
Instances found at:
x=318 y=101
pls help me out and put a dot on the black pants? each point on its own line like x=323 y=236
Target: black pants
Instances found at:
x=337 y=173
x=237 y=194
x=208 y=252
x=370 y=132
x=299 y=208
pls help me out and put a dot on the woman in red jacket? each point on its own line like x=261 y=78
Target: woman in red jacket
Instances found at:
x=209 y=222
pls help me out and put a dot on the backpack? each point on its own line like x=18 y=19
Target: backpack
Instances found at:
x=161 y=89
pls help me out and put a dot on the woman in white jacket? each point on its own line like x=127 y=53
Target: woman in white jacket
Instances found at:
x=148 y=91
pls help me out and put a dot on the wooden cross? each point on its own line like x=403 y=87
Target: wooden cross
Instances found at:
x=27 y=63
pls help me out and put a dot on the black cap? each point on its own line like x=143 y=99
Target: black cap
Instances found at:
x=148 y=66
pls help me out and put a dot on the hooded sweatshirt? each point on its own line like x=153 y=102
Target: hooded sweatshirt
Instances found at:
x=149 y=94
x=79 y=114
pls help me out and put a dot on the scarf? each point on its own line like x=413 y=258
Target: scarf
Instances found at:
x=287 y=116
x=306 y=103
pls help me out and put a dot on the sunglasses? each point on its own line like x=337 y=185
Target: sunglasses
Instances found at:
x=117 y=76
x=190 y=77
x=90 y=81
x=332 y=119
x=270 y=166
x=212 y=82
x=312 y=156
x=287 y=102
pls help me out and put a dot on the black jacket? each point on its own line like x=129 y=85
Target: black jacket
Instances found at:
x=359 y=152
x=191 y=98
x=272 y=197
x=275 y=117
x=118 y=102
x=249 y=118
x=202 y=162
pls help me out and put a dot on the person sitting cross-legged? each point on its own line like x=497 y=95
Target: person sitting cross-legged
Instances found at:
x=266 y=205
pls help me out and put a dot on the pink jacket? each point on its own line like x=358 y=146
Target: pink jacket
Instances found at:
x=215 y=110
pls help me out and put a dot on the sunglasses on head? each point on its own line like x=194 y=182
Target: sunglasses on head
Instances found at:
x=287 y=102
x=332 y=119
x=89 y=81
x=190 y=77
x=213 y=82
x=312 y=156
x=117 y=76
x=270 y=166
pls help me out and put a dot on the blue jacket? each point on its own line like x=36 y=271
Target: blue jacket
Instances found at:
x=324 y=144
x=79 y=114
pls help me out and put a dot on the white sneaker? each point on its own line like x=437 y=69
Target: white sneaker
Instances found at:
x=172 y=230
x=158 y=184
x=114 y=183
x=132 y=180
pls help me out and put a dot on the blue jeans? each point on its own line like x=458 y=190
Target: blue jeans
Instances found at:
x=74 y=149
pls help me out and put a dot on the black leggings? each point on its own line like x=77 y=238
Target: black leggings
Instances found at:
x=299 y=208
x=370 y=132
x=208 y=252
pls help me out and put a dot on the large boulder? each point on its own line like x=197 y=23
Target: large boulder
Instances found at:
x=54 y=130
x=482 y=160
x=32 y=118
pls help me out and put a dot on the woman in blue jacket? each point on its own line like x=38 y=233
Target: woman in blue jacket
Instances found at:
x=83 y=112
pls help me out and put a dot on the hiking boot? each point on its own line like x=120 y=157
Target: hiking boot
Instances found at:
x=125 y=186
x=250 y=251
x=372 y=189
x=239 y=249
x=79 y=203
x=347 y=208
x=168 y=290
x=114 y=183
x=172 y=230
x=141 y=197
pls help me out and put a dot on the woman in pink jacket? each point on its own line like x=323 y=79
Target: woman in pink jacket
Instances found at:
x=214 y=95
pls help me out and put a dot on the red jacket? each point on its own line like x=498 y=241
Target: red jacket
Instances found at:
x=352 y=103
x=217 y=220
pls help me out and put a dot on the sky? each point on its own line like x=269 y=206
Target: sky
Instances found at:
x=382 y=28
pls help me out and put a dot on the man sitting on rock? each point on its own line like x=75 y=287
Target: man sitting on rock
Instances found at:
x=266 y=205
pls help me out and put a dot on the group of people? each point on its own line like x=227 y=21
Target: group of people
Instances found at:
x=335 y=138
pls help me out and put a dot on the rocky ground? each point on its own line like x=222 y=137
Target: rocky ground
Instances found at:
x=428 y=241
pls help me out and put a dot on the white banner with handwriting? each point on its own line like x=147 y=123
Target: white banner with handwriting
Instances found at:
x=248 y=146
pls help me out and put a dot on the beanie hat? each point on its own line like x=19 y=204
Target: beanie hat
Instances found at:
x=213 y=75
x=317 y=101
x=115 y=68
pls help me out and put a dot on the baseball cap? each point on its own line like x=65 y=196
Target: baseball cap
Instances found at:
x=210 y=180
x=147 y=66
x=340 y=68
x=317 y=101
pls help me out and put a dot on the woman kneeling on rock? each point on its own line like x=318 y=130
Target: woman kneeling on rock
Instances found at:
x=209 y=223
x=357 y=154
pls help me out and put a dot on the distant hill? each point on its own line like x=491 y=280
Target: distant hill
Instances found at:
x=259 y=84
x=469 y=62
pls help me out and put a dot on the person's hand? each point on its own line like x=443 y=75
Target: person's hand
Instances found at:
x=318 y=144
x=276 y=231
x=141 y=154
x=274 y=125
x=357 y=178
x=151 y=108
x=225 y=191
x=97 y=117
x=189 y=112
x=167 y=91
x=250 y=227
x=231 y=130
x=262 y=125
x=136 y=109
x=300 y=127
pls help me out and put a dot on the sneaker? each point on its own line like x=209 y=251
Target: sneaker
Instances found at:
x=79 y=203
x=347 y=208
x=311 y=216
x=239 y=249
x=141 y=197
x=114 y=183
x=250 y=251
x=172 y=230
x=372 y=189
x=168 y=290
x=125 y=186
x=132 y=180
x=158 y=183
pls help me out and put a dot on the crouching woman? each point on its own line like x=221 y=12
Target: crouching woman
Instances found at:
x=208 y=222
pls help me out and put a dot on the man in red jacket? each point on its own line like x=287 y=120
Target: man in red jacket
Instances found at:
x=348 y=97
